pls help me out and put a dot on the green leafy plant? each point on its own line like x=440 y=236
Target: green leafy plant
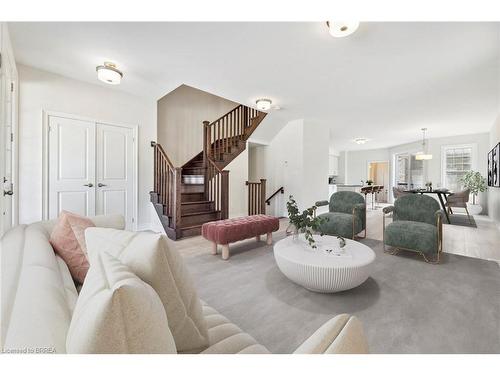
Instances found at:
x=305 y=221
x=369 y=182
x=473 y=181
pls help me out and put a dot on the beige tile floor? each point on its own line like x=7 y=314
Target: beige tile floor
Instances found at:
x=481 y=242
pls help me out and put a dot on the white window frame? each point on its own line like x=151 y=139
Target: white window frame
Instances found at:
x=444 y=148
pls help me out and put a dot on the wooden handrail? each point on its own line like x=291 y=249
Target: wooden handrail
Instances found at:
x=232 y=110
x=167 y=184
x=217 y=187
x=256 y=197
x=162 y=151
x=214 y=164
x=221 y=135
x=280 y=190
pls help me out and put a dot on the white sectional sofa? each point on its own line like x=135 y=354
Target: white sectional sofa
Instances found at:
x=38 y=297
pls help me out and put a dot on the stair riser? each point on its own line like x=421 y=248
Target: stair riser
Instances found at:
x=192 y=188
x=199 y=219
x=190 y=232
x=187 y=209
x=193 y=197
x=193 y=179
x=190 y=172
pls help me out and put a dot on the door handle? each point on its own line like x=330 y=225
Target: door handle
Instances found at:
x=89 y=184
x=101 y=184
x=9 y=192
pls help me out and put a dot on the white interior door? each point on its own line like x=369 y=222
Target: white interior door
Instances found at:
x=72 y=153
x=115 y=172
x=6 y=145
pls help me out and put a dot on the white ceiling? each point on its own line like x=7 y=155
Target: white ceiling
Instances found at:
x=384 y=82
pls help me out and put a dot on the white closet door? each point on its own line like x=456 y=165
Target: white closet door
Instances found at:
x=115 y=171
x=6 y=131
x=71 y=166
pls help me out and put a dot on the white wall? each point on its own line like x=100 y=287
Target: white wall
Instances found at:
x=257 y=163
x=494 y=192
x=40 y=90
x=314 y=177
x=357 y=164
x=297 y=159
x=238 y=175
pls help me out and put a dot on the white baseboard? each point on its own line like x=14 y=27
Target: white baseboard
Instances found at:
x=144 y=226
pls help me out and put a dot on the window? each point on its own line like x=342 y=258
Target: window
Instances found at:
x=457 y=160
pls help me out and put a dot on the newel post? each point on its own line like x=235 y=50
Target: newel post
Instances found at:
x=176 y=209
x=207 y=146
x=224 y=202
x=263 y=196
x=207 y=142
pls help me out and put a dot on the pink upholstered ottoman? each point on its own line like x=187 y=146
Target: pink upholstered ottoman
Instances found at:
x=224 y=232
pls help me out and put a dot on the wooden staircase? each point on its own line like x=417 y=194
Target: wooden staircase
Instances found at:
x=198 y=192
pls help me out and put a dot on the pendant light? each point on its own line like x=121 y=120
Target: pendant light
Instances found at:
x=422 y=155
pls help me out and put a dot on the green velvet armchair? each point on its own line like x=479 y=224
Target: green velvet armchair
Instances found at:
x=346 y=216
x=416 y=226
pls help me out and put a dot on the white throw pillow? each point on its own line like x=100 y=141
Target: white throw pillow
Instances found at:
x=150 y=258
x=117 y=312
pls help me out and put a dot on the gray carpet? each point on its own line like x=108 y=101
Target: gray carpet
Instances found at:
x=407 y=306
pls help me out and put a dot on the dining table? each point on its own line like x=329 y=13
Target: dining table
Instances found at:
x=442 y=195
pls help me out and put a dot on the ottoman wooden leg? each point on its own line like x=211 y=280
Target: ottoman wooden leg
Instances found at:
x=269 y=239
x=214 y=248
x=257 y=238
x=225 y=252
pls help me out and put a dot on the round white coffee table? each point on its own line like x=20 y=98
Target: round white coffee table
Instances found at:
x=327 y=269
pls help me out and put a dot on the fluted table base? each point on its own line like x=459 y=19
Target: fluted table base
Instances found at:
x=327 y=269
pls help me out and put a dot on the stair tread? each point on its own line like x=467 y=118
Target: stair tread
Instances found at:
x=200 y=213
x=197 y=202
x=191 y=226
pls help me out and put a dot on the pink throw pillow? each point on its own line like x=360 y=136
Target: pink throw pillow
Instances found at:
x=68 y=241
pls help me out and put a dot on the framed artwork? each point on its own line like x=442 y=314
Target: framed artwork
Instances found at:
x=490 y=168
x=495 y=165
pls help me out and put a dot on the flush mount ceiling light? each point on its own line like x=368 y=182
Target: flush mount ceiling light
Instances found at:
x=422 y=155
x=361 y=141
x=263 y=104
x=339 y=29
x=108 y=73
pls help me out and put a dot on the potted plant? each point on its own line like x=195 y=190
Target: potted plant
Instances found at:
x=306 y=222
x=476 y=183
x=369 y=182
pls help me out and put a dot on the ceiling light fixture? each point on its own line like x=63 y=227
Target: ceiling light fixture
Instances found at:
x=263 y=104
x=108 y=73
x=422 y=155
x=340 y=29
x=361 y=141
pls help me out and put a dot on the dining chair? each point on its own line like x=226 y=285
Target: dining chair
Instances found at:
x=460 y=200
x=398 y=192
